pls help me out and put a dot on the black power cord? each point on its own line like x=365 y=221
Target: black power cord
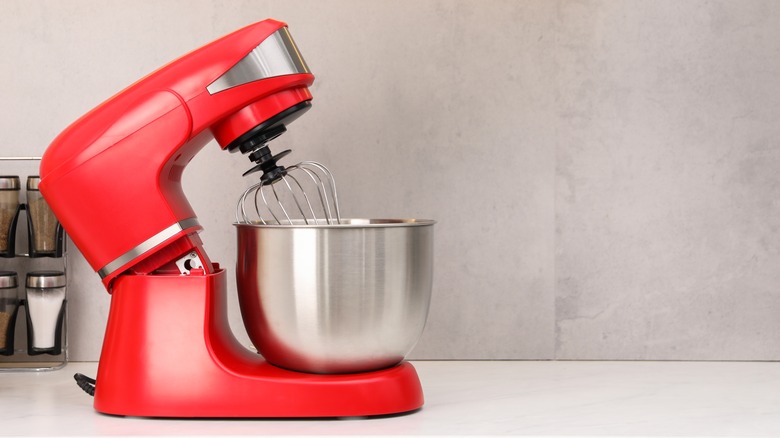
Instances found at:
x=86 y=383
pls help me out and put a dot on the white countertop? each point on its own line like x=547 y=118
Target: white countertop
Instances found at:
x=465 y=398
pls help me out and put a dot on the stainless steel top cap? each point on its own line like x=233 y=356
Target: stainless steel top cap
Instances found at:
x=9 y=182
x=32 y=182
x=45 y=279
x=8 y=279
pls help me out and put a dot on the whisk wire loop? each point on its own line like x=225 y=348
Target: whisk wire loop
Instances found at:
x=331 y=185
x=241 y=206
x=297 y=201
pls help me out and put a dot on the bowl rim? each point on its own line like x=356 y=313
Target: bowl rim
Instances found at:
x=351 y=223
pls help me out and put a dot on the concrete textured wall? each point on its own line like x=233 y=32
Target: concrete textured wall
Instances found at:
x=606 y=175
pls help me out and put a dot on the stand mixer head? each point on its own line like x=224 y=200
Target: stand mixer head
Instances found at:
x=125 y=158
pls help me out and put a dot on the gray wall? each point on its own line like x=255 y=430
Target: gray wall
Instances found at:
x=606 y=175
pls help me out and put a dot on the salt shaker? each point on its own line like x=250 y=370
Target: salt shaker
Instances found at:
x=9 y=204
x=45 y=298
x=43 y=223
x=9 y=302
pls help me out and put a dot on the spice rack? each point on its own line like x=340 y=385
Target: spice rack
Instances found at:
x=23 y=259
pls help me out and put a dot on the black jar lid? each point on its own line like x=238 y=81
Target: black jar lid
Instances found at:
x=8 y=280
x=45 y=279
x=9 y=182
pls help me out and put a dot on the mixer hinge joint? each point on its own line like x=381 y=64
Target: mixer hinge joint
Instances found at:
x=189 y=262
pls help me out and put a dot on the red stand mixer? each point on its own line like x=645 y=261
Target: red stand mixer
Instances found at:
x=113 y=178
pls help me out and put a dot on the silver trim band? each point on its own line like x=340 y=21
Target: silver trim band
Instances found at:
x=147 y=245
x=277 y=55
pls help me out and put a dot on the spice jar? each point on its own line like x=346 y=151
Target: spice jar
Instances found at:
x=42 y=222
x=9 y=303
x=45 y=298
x=9 y=206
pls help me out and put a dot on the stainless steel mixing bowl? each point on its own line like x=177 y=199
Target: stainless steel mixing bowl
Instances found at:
x=340 y=298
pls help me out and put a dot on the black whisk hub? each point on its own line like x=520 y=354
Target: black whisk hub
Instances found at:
x=267 y=163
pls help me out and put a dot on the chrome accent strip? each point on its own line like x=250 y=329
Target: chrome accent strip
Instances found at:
x=147 y=245
x=277 y=55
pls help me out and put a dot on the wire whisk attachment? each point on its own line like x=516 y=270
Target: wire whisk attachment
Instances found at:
x=301 y=193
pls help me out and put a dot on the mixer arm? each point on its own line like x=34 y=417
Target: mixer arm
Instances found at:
x=124 y=159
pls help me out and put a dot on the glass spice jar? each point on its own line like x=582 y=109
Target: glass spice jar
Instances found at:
x=9 y=205
x=43 y=223
x=9 y=302
x=45 y=297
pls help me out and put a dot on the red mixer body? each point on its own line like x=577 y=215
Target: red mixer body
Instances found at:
x=113 y=179
x=186 y=363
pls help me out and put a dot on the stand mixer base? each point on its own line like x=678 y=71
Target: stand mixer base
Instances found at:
x=169 y=352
